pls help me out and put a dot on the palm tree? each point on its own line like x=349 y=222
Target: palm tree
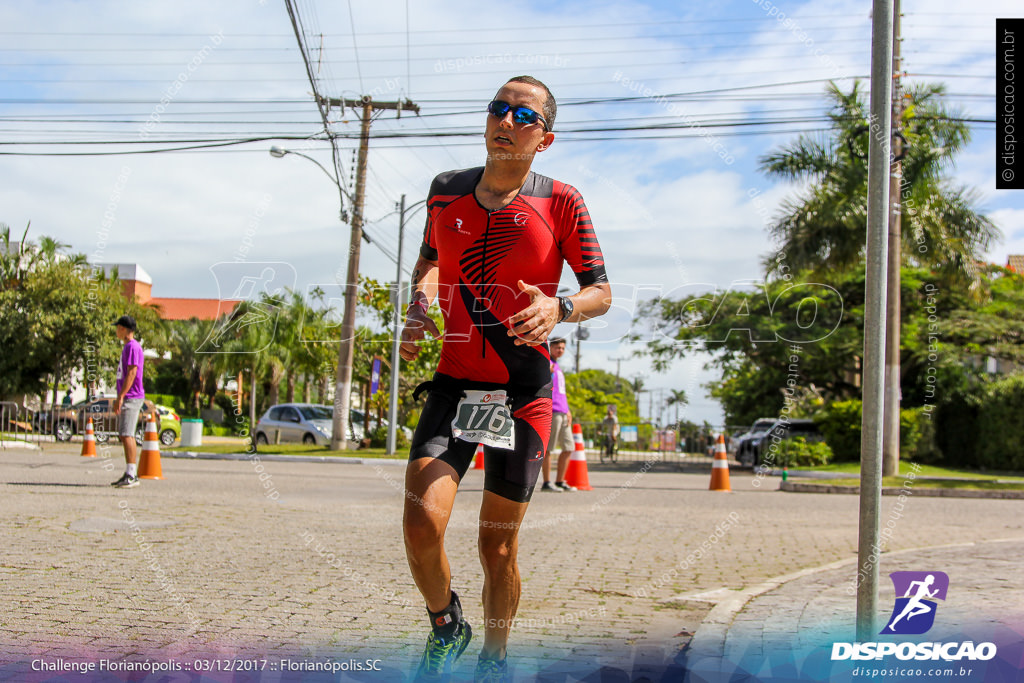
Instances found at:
x=823 y=227
x=677 y=398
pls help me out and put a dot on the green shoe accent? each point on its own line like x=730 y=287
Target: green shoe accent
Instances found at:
x=491 y=671
x=439 y=656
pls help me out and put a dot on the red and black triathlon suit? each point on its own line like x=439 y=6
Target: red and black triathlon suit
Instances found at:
x=481 y=256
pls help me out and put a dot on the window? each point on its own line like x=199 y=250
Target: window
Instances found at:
x=316 y=412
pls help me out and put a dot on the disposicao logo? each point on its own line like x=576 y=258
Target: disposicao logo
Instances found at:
x=914 y=614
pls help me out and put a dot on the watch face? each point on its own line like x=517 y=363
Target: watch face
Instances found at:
x=566 y=305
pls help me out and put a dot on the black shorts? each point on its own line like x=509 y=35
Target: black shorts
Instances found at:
x=511 y=474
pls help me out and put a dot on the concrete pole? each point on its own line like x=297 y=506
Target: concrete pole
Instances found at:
x=879 y=138
x=891 y=439
x=396 y=333
x=343 y=380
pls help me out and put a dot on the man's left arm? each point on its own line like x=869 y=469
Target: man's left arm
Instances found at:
x=129 y=379
x=532 y=325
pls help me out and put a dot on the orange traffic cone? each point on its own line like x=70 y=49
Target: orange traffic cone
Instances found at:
x=720 y=467
x=89 y=441
x=478 y=463
x=576 y=474
x=149 y=459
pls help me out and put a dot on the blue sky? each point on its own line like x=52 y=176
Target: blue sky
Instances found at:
x=669 y=212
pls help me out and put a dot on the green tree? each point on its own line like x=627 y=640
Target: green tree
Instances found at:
x=823 y=227
x=56 y=317
x=590 y=393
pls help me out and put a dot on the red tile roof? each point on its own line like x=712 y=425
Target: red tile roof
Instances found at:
x=173 y=308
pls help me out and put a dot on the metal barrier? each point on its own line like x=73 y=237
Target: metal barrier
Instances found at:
x=19 y=425
x=698 y=450
x=634 y=458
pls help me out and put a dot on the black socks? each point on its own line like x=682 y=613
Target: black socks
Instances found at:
x=446 y=622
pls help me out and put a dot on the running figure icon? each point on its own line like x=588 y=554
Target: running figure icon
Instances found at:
x=916 y=605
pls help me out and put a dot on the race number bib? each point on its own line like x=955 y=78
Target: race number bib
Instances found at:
x=484 y=417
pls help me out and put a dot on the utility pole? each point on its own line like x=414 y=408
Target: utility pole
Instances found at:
x=891 y=419
x=396 y=359
x=343 y=380
x=396 y=332
x=618 y=373
x=581 y=334
x=876 y=275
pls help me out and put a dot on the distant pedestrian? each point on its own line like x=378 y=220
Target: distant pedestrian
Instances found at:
x=610 y=426
x=561 y=424
x=67 y=400
x=130 y=396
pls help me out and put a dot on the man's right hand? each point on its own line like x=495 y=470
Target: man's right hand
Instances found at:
x=417 y=325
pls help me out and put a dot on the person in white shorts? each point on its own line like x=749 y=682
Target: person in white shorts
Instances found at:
x=561 y=423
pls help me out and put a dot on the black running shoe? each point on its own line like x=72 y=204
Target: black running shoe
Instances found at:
x=440 y=654
x=126 y=482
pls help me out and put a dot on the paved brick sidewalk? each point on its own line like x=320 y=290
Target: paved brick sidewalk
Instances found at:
x=807 y=613
x=232 y=559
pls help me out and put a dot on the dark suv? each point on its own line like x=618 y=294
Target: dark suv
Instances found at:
x=783 y=429
x=746 y=441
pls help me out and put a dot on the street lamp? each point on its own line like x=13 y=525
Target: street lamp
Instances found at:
x=395 y=342
x=278 y=152
x=343 y=380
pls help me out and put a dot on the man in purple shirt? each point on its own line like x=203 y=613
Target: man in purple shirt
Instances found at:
x=130 y=396
x=561 y=423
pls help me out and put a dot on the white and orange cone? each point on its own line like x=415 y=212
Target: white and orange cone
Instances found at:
x=149 y=459
x=478 y=461
x=576 y=474
x=720 y=467
x=89 y=441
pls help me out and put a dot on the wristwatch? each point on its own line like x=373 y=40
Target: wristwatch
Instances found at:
x=565 y=306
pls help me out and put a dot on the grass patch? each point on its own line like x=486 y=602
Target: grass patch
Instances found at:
x=923 y=471
x=898 y=482
x=290 y=449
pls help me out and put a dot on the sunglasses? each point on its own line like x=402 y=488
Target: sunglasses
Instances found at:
x=519 y=114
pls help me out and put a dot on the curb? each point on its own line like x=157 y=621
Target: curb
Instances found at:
x=277 y=457
x=801 y=487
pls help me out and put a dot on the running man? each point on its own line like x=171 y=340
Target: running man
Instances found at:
x=130 y=396
x=493 y=248
x=915 y=605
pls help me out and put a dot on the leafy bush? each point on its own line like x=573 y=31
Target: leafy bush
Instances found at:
x=840 y=423
x=957 y=432
x=1000 y=425
x=166 y=400
x=379 y=438
x=797 y=452
x=917 y=436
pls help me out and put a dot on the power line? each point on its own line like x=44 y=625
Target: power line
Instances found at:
x=355 y=48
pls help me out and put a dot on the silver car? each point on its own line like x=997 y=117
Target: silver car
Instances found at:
x=311 y=424
x=306 y=423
